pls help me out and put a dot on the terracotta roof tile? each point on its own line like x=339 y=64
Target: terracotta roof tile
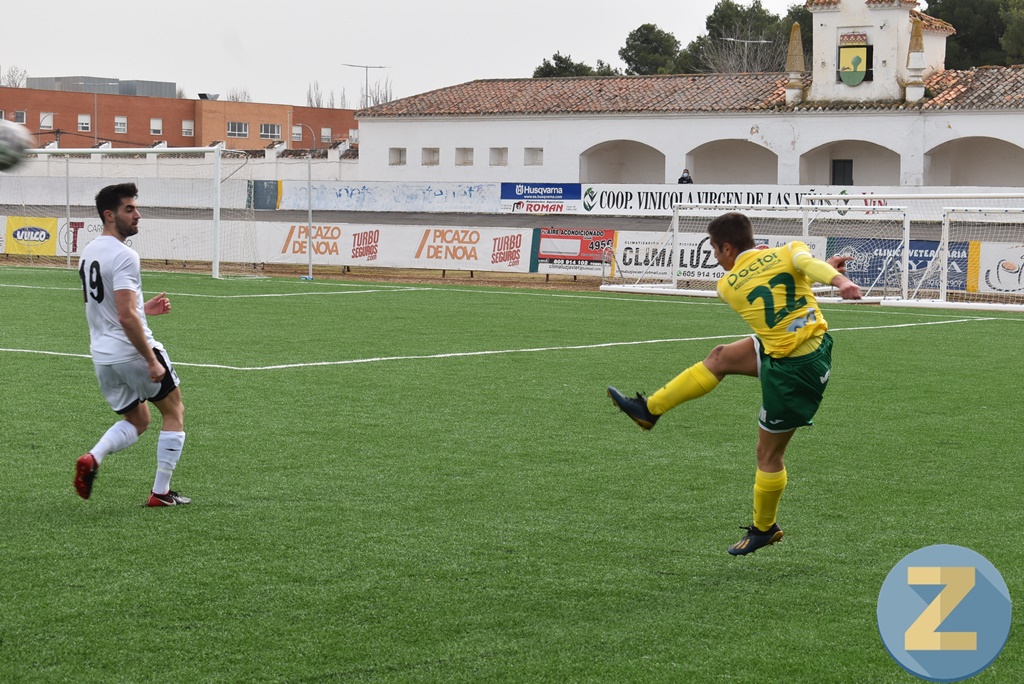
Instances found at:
x=982 y=88
x=991 y=87
x=594 y=95
x=933 y=24
x=825 y=4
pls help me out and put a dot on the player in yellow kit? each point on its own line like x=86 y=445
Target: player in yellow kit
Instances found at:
x=790 y=351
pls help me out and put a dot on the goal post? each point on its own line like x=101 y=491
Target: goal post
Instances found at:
x=196 y=204
x=681 y=261
x=978 y=262
x=966 y=249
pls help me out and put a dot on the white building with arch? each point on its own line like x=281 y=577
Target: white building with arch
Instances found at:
x=875 y=108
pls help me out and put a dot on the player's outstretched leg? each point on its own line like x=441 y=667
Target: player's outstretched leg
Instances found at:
x=755 y=539
x=171 y=498
x=635 y=408
x=86 y=468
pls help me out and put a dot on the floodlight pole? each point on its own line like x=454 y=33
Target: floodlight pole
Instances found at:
x=95 y=106
x=746 y=44
x=366 y=80
x=309 y=201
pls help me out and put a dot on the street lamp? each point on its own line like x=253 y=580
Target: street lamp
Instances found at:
x=746 y=44
x=95 y=104
x=366 y=84
x=309 y=202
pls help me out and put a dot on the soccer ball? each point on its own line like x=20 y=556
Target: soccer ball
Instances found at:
x=14 y=140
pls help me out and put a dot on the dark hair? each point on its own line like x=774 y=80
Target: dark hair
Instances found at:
x=732 y=229
x=109 y=198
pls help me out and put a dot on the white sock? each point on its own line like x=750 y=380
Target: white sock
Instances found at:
x=168 y=451
x=120 y=435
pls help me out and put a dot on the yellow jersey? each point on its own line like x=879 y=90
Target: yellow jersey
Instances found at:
x=771 y=290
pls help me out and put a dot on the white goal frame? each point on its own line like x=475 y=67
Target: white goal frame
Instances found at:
x=45 y=164
x=807 y=215
x=940 y=209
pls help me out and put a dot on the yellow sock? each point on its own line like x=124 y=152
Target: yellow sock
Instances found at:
x=767 y=492
x=694 y=382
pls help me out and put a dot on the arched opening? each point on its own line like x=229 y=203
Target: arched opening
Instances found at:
x=975 y=161
x=733 y=161
x=622 y=161
x=850 y=162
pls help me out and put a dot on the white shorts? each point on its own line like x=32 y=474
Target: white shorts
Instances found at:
x=126 y=385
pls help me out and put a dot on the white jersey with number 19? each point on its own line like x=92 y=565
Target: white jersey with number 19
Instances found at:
x=106 y=265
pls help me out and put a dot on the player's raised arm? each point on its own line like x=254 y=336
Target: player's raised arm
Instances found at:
x=828 y=273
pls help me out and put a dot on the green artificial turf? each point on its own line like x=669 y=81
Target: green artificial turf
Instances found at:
x=428 y=484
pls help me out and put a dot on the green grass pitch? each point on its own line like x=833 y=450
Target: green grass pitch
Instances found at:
x=428 y=484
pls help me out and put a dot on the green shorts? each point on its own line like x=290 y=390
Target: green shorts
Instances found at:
x=792 y=388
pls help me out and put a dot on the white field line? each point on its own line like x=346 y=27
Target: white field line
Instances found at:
x=876 y=311
x=493 y=352
x=245 y=296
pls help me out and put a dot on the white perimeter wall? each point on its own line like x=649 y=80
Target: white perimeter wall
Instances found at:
x=790 y=137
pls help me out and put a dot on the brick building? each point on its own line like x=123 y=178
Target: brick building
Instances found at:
x=85 y=119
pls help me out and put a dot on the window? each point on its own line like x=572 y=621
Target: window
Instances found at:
x=296 y=133
x=533 y=156
x=46 y=121
x=431 y=156
x=84 y=123
x=120 y=124
x=325 y=135
x=188 y=128
x=1 y=113
x=156 y=126
x=499 y=156
x=842 y=172
x=270 y=131
x=238 y=129
x=19 y=117
x=463 y=156
x=396 y=156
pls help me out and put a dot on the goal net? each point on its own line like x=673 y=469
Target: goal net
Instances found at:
x=196 y=205
x=681 y=261
x=966 y=251
x=978 y=262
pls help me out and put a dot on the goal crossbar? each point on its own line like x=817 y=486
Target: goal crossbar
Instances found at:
x=680 y=261
x=185 y=192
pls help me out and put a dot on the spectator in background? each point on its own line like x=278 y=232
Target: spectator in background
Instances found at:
x=685 y=178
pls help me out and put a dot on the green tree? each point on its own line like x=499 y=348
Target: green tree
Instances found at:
x=750 y=21
x=602 y=68
x=745 y=38
x=649 y=50
x=979 y=29
x=1012 y=41
x=738 y=38
x=562 y=65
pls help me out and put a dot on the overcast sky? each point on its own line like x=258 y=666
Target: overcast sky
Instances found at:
x=275 y=50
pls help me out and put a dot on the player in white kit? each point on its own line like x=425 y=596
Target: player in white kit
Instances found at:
x=131 y=366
